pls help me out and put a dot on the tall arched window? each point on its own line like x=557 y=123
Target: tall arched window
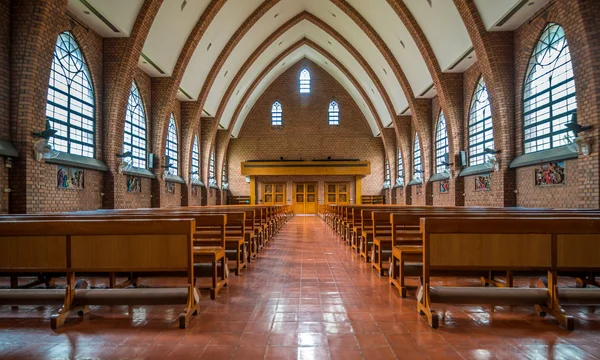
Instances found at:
x=387 y=171
x=211 y=166
x=334 y=113
x=400 y=165
x=549 y=92
x=276 y=114
x=70 y=103
x=481 y=133
x=195 y=160
x=304 y=81
x=134 y=137
x=441 y=144
x=417 y=167
x=171 y=150
x=224 y=174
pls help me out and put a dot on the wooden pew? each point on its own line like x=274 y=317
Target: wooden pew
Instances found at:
x=503 y=244
x=99 y=246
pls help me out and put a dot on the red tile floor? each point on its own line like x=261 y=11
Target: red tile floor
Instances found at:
x=307 y=297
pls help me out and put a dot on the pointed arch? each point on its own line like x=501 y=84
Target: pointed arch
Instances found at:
x=276 y=114
x=441 y=143
x=172 y=147
x=334 y=113
x=134 y=135
x=481 y=132
x=70 y=106
x=304 y=81
x=549 y=94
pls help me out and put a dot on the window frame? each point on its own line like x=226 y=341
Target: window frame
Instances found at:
x=441 y=140
x=195 y=158
x=134 y=94
x=556 y=126
x=304 y=81
x=333 y=112
x=72 y=51
x=211 y=166
x=479 y=157
x=417 y=166
x=276 y=114
x=173 y=170
x=400 y=171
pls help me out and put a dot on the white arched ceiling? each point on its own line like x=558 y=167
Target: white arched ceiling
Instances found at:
x=224 y=25
x=167 y=37
x=305 y=51
x=116 y=16
x=446 y=33
x=507 y=15
x=328 y=13
x=312 y=32
x=386 y=23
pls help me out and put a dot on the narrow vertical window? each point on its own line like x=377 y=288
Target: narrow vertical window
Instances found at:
x=224 y=182
x=304 y=82
x=171 y=148
x=211 y=166
x=481 y=132
x=195 y=160
x=134 y=137
x=70 y=103
x=334 y=113
x=441 y=144
x=417 y=168
x=276 y=114
x=400 y=165
x=549 y=92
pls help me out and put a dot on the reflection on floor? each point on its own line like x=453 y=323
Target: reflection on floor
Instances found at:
x=307 y=297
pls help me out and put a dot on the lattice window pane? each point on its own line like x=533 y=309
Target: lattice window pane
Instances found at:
x=387 y=170
x=195 y=159
x=400 y=164
x=276 y=114
x=211 y=165
x=481 y=132
x=549 y=96
x=134 y=139
x=70 y=102
x=304 y=82
x=417 y=167
x=334 y=113
x=441 y=144
x=171 y=150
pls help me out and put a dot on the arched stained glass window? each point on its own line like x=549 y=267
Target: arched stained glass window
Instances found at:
x=304 y=82
x=171 y=148
x=549 y=92
x=211 y=166
x=400 y=165
x=481 y=132
x=441 y=144
x=276 y=114
x=417 y=166
x=195 y=160
x=134 y=137
x=334 y=113
x=70 y=102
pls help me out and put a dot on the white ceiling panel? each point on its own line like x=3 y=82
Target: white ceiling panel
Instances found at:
x=109 y=18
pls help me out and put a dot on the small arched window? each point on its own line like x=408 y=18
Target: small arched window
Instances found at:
x=549 y=92
x=304 y=82
x=441 y=144
x=171 y=148
x=276 y=114
x=417 y=167
x=195 y=160
x=334 y=113
x=134 y=137
x=211 y=166
x=481 y=132
x=70 y=102
x=400 y=165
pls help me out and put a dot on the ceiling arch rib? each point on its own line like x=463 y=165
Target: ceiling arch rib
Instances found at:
x=311 y=29
x=304 y=48
x=349 y=31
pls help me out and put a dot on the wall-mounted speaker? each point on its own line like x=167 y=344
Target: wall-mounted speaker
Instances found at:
x=463 y=159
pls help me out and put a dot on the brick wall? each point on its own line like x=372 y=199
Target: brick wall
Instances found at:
x=305 y=132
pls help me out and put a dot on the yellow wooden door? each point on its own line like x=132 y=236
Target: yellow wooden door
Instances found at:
x=305 y=198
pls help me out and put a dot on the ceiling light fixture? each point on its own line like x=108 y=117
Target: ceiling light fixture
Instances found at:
x=86 y=12
x=183 y=4
x=332 y=14
x=276 y=15
x=209 y=46
x=402 y=43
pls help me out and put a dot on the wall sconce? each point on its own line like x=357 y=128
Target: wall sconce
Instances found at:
x=248 y=179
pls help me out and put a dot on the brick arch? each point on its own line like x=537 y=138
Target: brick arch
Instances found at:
x=325 y=27
x=278 y=59
x=164 y=89
x=448 y=86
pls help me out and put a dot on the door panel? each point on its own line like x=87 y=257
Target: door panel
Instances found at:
x=305 y=198
x=337 y=193
x=274 y=194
